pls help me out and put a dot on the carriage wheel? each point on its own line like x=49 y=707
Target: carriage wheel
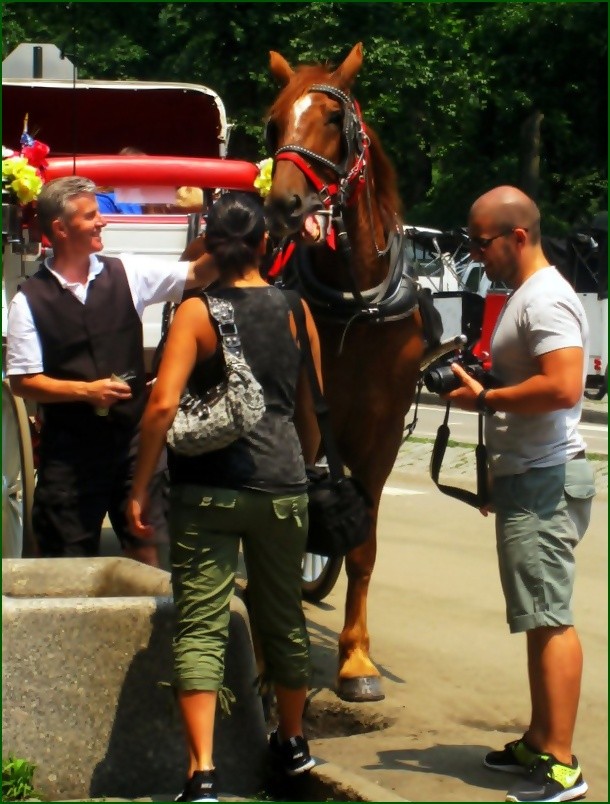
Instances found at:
x=319 y=575
x=17 y=478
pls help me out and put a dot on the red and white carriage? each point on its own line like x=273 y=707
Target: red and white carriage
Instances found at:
x=86 y=123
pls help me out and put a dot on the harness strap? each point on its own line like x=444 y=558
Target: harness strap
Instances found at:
x=345 y=250
x=292 y=153
x=335 y=464
x=409 y=428
x=398 y=301
x=281 y=257
x=395 y=247
x=481 y=498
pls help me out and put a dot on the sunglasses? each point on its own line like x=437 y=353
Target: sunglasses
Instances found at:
x=482 y=243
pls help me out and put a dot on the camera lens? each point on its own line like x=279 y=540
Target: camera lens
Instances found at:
x=440 y=380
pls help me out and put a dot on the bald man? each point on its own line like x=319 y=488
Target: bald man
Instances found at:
x=542 y=484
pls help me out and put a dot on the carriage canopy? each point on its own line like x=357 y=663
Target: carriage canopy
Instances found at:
x=93 y=117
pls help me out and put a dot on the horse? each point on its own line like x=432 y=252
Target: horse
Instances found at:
x=331 y=173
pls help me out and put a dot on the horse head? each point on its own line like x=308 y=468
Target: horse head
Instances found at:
x=315 y=133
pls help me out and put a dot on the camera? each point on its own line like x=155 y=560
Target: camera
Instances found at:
x=440 y=379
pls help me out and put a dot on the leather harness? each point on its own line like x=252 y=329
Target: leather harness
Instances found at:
x=394 y=298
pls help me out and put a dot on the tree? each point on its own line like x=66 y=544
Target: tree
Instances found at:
x=449 y=87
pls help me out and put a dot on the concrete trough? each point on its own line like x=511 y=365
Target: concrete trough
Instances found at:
x=86 y=665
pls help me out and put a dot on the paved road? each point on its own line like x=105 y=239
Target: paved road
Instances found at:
x=463 y=426
x=459 y=461
x=454 y=677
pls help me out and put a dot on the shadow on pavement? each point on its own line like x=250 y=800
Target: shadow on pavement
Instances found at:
x=459 y=761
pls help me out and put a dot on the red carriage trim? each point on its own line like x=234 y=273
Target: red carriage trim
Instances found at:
x=160 y=171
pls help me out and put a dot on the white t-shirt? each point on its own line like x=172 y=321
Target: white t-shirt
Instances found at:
x=542 y=315
x=150 y=281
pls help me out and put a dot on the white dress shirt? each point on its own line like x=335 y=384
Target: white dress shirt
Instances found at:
x=151 y=280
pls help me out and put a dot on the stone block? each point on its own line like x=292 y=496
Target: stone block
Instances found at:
x=87 y=657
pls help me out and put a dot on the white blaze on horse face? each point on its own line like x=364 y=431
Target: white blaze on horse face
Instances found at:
x=298 y=110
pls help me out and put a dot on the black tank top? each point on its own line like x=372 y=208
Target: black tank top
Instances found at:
x=269 y=458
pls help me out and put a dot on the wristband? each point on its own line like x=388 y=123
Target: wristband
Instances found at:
x=481 y=404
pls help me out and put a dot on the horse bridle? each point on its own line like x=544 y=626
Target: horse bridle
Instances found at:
x=335 y=197
x=355 y=142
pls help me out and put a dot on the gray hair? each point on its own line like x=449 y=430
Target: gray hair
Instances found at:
x=55 y=197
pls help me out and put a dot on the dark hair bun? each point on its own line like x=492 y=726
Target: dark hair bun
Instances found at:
x=234 y=230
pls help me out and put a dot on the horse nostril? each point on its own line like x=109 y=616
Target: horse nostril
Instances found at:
x=284 y=213
x=295 y=205
x=287 y=205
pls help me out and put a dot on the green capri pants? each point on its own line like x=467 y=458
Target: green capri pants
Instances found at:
x=206 y=525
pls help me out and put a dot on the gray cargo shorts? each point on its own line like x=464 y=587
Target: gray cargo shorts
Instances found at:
x=541 y=515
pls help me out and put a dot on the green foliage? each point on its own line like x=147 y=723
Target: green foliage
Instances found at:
x=447 y=86
x=17 y=779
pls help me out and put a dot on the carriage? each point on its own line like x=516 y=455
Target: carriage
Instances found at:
x=124 y=112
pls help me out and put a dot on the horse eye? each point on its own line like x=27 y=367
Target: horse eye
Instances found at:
x=335 y=118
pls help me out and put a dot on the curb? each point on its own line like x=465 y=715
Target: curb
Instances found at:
x=349 y=786
x=326 y=781
x=593 y=416
x=591 y=413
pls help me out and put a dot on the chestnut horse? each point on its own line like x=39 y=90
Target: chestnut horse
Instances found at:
x=329 y=166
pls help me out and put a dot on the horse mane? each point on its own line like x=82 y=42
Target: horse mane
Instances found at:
x=384 y=175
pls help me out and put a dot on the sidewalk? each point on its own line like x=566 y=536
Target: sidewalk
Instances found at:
x=593 y=412
x=459 y=462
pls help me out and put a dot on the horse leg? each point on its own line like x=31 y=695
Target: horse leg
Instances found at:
x=371 y=456
x=359 y=679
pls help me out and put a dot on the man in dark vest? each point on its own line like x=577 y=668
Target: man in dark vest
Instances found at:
x=75 y=346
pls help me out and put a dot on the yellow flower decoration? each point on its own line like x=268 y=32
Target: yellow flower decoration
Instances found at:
x=23 y=179
x=263 y=181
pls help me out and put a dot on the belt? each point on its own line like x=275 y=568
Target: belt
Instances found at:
x=580 y=456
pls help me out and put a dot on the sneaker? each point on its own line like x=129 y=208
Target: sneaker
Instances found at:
x=200 y=787
x=550 y=780
x=516 y=757
x=292 y=753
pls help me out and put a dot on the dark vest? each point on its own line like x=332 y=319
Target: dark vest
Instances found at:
x=89 y=341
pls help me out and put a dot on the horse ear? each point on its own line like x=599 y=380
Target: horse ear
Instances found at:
x=280 y=68
x=347 y=72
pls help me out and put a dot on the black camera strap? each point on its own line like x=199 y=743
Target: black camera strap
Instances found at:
x=481 y=498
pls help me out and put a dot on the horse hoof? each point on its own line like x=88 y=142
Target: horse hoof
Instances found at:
x=363 y=688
